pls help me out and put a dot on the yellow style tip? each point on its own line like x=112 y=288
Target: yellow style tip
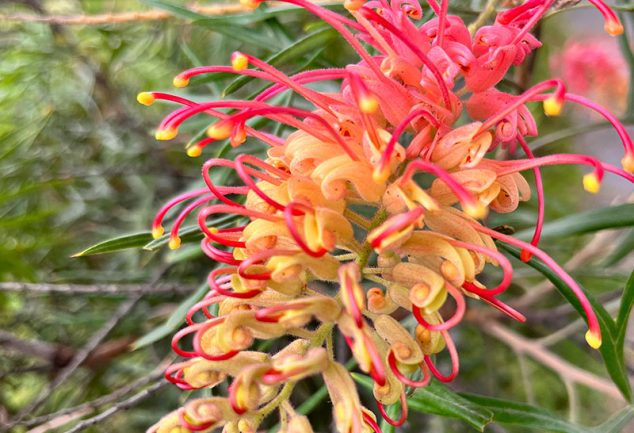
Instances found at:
x=157 y=232
x=628 y=163
x=166 y=134
x=591 y=183
x=239 y=62
x=145 y=98
x=613 y=28
x=593 y=339
x=174 y=243
x=477 y=211
x=369 y=104
x=180 y=82
x=380 y=175
x=219 y=130
x=353 y=5
x=553 y=106
x=194 y=151
x=250 y=4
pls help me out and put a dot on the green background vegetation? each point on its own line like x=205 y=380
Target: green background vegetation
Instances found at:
x=79 y=165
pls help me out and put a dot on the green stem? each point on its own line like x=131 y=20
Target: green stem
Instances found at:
x=489 y=10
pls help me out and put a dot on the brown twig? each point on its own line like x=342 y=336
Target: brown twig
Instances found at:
x=539 y=353
x=125 y=17
x=91 y=289
x=85 y=408
x=81 y=355
x=125 y=404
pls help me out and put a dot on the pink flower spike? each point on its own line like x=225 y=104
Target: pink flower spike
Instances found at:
x=372 y=15
x=593 y=336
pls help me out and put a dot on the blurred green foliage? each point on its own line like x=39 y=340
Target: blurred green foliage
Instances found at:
x=79 y=165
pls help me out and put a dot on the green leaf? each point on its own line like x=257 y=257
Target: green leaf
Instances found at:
x=617 y=422
x=221 y=25
x=586 y=222
x=527 y=416
x=173 y=322
x=627 y=302
x=190 y=234
x=437 y=399
x=612 y=346
x=125 y=242
x=259 y=15
x=479 y=411
x=622 y=250
x=303 y=46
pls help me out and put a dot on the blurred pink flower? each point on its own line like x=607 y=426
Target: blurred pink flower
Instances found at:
x=594 y=68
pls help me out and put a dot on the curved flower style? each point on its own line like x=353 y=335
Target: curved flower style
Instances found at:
x=389 y=143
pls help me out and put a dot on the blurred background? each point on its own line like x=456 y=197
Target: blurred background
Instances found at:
x=87 y=337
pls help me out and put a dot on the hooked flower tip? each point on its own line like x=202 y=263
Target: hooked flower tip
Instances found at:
x=628 y=163
x=593 y=339
x=476 y=210
x=553 y=106
x=180 y=82
x=166 y=134
x=613 y=27
x=145 y=98
x=157 y=231
x=219 y=130
x=591 y=183
x=174 y=243
x=194 y=151
x=239 y=62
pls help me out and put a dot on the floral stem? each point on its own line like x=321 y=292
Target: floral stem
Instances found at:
x=487 y=12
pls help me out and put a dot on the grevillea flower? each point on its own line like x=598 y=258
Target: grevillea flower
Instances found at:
x=388 y=143
x=594 y=68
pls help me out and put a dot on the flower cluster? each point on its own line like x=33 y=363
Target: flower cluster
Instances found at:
x=595 y=67
x=369 y=213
